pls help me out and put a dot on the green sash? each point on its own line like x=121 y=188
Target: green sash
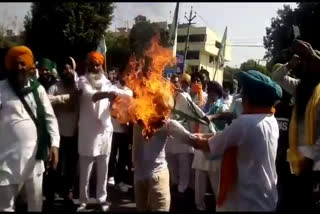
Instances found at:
x=44 y=140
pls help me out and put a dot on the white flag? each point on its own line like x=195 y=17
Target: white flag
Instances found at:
x=296 y=31
x=174 y=30
x=221 y=52
x=102 y=47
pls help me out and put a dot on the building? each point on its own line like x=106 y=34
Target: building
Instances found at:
x=202 y=51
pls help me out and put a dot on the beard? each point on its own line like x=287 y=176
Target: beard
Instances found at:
x=96 y=80
x=68 y=80
x=17 y=79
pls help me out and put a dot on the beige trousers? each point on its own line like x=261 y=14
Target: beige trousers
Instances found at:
x=153 y=194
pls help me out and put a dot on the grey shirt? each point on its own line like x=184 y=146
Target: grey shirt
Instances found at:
x=149 y=155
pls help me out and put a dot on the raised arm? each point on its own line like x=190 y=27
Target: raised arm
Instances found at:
x=283 y=79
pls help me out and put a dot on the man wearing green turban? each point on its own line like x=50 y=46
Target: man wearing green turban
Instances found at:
x=247 y=148
x=47 y=73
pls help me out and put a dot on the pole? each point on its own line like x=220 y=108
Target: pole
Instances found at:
x=187 y=39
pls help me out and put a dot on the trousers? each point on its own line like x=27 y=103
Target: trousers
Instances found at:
x=86 y=163
x=153 y=194
x=117 y=167
x=201 y=178
x=180 y=170
x=33 y=189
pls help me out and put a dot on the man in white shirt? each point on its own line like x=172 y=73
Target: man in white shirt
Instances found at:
x=95 y=129
x=28 y=129
x=64 y=99
x=120 y=140
x=179 y=155
x=248 y=149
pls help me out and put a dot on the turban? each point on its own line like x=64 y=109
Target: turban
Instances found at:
x=19 y=51
x=259 y=87
x=72 y=62
x=186 y=77
x=47 y=63
x=94 y=55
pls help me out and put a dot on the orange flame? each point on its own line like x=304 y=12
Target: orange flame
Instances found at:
x=153 y=100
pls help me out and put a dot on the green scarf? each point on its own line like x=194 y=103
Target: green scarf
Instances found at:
x=44 y=141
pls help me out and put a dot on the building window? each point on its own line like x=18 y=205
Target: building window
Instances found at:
x=197 y=38
x=192 y=38
x=181 y=39
x=211 y=59
x=190 y=54
x=193 y=54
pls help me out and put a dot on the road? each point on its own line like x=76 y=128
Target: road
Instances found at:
x=124 y=202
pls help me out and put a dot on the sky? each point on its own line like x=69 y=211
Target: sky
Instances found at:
x=246 y=21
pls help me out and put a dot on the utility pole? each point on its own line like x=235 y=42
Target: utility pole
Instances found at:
x=187 y=39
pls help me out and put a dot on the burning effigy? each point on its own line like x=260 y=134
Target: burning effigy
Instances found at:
x=152 y=101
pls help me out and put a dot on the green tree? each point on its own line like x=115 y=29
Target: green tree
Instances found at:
x=118 y=51
x=56 y=29
x=279 y=35
x=251 y=64
x=229 y=72
x=141 y=34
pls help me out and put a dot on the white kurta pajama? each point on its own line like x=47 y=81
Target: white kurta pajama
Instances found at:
x=18 y=146
x=204 y=169
x=180 y=155
x=256 y=136
x=95 y=137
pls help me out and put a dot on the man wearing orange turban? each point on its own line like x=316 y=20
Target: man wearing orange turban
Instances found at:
x=28 y=129
x=95 y=129
x=96 y=58
x=19 y=53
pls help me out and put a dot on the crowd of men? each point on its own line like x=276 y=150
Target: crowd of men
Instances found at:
x=256 y=143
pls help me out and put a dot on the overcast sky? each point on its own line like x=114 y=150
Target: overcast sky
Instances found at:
x=246 y=21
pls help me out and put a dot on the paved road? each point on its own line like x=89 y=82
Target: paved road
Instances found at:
x=124 y=202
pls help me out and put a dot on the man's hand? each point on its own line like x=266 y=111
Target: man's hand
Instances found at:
x=303 y=49
x=54 y=157
x=102 y=95
x=199 y=142
x=294 y=62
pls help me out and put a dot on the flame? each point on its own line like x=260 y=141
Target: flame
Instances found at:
x=153 y=101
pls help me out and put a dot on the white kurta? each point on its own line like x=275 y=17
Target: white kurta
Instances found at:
x=181 y=105
x=256 y=136
x=18 y=134
x=95 y=126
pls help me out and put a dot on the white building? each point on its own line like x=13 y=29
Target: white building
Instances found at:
x=202 y=51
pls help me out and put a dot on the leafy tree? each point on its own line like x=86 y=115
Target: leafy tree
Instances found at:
x=251 y=64
x=279 y=35
x=140 y=18
x=118 y=51
x=229 y=72
x=56 y=29
x=142 y=32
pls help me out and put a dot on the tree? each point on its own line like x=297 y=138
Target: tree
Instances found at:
x=140 y=18
x=56 y=29
x=118 y=51
x=279 y=35
x=142 y=33
x=229 y=72
x=251 y=64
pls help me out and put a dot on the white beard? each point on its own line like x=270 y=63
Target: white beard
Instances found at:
x=96 y=80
